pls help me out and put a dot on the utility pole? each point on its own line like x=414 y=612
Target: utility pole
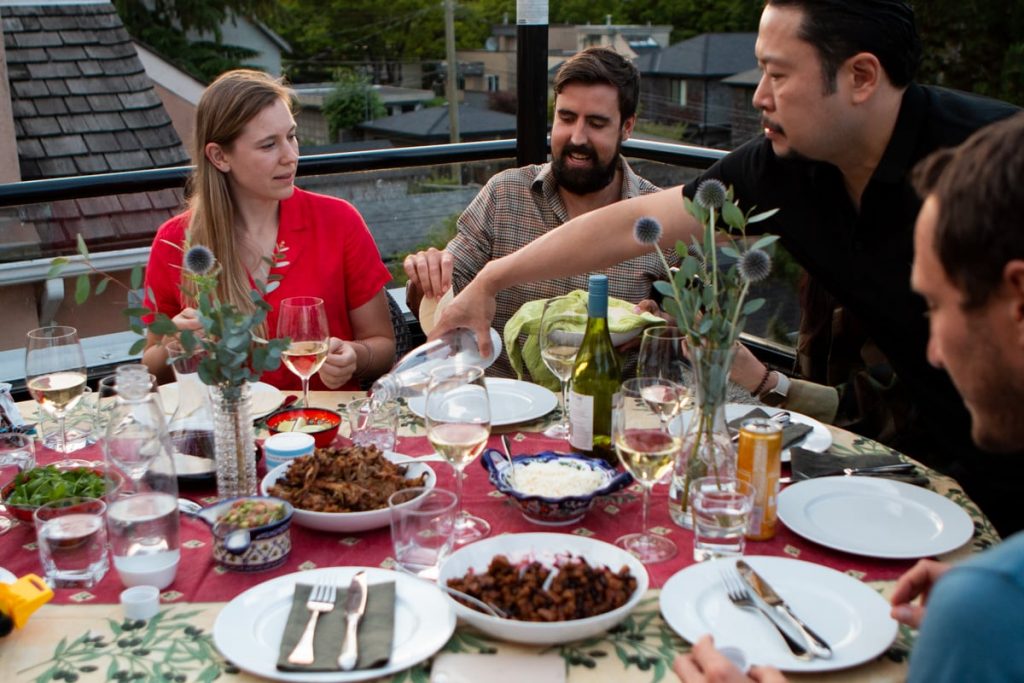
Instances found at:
x=452 y=82
x=531 y=81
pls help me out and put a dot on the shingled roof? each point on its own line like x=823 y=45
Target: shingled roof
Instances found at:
x=82 y=104
x=709 y=55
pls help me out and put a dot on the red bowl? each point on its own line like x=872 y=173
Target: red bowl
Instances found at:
x=24 y=512
x=320 y=423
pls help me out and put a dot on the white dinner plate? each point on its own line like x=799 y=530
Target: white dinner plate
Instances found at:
x=248 y=630
x=512 y=401
x=848 y=614
x=874 y=517
x=265 y=398
x=818 y=439
x=350 y=522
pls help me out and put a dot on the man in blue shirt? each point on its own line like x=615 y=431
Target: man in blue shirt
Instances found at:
x=969 y=269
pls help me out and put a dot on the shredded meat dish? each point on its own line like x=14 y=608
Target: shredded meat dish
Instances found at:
x=354 y=479
x=577 y=590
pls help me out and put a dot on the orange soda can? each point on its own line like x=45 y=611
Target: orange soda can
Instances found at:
x=759 y=462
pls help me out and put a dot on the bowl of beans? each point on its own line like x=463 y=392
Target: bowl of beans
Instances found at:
x=555 y=588
x=251 y=533
x=553 y=489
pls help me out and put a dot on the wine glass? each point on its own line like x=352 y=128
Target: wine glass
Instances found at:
x=55 y=373
x=662 y=355
x=647 y=449
x=304 y=320
x=18 y=454
x=458 y=419
x=560 y=335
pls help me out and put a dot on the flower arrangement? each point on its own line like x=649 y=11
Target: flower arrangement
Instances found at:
x=710 y=307
x=232 y=353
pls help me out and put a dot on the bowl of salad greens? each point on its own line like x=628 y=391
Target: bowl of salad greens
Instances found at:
x=45 y=484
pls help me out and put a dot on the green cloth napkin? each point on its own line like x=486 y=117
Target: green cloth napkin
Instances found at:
x=376 y=629
x=807 y=464
x=791 y=433
x=526 y=321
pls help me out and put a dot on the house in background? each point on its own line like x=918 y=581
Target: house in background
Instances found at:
x=79 y=102
x=495 y=69
x=745 y=118
x=430 y=126
x=683 y=83
x=313 y=128
x=254 y=35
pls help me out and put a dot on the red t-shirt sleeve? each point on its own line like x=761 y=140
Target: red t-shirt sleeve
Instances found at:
x=163 y=272
x=365 y=272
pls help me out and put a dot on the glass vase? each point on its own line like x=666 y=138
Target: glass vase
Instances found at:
x=707 y=445
x=234 y=440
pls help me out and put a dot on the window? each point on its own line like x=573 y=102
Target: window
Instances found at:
x=678 y=92
x=492 y=82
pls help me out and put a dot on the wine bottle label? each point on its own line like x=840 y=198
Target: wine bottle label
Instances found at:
x=581 y=421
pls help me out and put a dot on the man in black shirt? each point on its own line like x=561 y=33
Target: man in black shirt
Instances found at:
x=843 y=126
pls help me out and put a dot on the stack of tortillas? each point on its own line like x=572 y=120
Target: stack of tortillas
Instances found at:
x=431 y=309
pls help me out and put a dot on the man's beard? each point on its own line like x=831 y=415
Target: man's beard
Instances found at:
x=584 y=180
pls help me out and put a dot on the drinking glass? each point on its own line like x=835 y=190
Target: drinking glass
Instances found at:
x=458 y=418
x=560 y=337
x=303 y=319
x=373 y=423
x=721 y=510
x=422 y=528
x=55 y=373
x=662 y=355
x=72 y=539
x=647 y=449
x=16 y=455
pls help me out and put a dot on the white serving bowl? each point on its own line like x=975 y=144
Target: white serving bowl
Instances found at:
x=350 y=522
x=544 y=548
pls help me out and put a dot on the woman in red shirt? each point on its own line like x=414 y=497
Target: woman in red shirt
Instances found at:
x=243 y=202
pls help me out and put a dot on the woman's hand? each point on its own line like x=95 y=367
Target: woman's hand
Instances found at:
x=705 y=664
x=340 y=365
x=188 y=319
x=917 y=581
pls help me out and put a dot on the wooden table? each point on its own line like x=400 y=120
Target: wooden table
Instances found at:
x=82 y=633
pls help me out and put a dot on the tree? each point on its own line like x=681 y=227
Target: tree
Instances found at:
x=352 y=101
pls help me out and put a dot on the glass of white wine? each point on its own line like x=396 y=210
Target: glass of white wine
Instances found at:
x=303 y=319
x=647 y=449
x=458 y=419
x=55 y=373
x=560 y=334
x=662 y=355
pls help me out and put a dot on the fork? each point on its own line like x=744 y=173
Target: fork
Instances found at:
x=740 y=596
x=321 y=599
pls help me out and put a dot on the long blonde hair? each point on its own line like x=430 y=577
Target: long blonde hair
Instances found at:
x=227 y=105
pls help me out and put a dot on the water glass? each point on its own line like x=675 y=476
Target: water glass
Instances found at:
x=17 y=455
x=721 y=510
x=422 y=528
x=72 y=538
x=373 y=425
x=144 y=538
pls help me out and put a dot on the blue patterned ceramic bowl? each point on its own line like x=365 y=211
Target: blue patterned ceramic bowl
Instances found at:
x=553 y=511
x=269 y=544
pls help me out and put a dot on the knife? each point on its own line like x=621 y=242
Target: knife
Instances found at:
x=816 y=644
x=355 y=606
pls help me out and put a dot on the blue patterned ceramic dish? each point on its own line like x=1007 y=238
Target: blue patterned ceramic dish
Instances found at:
x=553 y=511
x=269 y=544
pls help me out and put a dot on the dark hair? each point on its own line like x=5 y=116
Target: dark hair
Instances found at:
x=839 y=29
x=603 y=65
x=979 y=187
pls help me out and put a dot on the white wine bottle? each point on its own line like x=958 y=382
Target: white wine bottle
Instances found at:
x=595 y=380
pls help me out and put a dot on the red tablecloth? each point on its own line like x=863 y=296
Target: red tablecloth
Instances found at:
x=200 y=580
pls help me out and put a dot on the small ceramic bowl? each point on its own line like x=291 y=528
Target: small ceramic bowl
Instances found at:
x=553 y=511
x=268 y=545
x=24 y=512
x=320 y=423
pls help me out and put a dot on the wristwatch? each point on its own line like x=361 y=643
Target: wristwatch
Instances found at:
x=778 y=394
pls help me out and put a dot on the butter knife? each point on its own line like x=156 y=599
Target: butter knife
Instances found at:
x=816 y=644
x=355 y=607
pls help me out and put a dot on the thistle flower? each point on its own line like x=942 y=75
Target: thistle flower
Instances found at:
x=755 y=265
x=647 y=230
x=711 y=194
x=199 y=260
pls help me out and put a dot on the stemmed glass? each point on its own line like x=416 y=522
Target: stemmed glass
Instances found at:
x=662 y=355
x=647 y=449
x=304 y=320
x=458 y=418
x=55 y=372
x=560 y=337
x=17 y=453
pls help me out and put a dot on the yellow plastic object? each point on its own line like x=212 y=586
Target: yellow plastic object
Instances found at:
x=23 y=597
